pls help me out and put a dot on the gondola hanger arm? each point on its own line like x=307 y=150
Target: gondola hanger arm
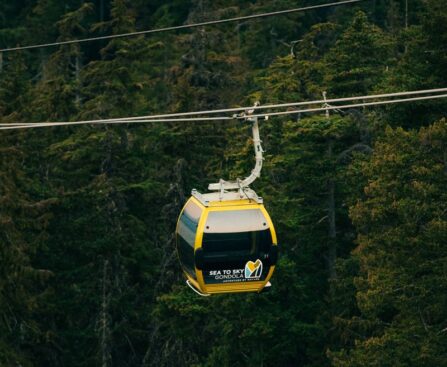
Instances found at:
x=239 y=184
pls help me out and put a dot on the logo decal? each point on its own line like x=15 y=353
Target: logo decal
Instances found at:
x=253 y=269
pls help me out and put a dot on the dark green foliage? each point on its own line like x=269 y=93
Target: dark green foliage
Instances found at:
x=88 y=267
x=402 y=227
x=22 y=232
x=358 y=60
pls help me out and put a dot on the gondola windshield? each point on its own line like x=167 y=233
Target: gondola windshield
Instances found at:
x=231 y=238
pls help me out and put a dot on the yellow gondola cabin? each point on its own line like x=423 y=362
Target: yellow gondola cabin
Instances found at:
x=226 y=246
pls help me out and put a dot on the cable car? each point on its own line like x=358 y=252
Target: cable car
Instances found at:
x=226 y=245
x=226 y=241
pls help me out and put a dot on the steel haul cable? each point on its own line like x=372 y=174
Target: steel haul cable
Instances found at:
x=241 y=109
x=223 y=118
x=184 y=26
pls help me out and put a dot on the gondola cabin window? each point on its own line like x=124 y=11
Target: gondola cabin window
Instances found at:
x=186 y=236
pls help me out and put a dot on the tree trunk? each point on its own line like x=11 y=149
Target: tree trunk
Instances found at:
x=78 y=82
x=104 y=329
x=406 y=14
x=101 y=10
x=332 y=231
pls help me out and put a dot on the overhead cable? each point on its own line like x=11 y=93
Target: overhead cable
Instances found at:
x=281 y=105
x=11 y=126
x=184 y=26
x=355 y=105
x=223 y=118
x=237 y=109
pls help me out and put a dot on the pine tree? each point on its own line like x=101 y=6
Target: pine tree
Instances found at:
x=359 y=59
x=22 y=284
x=420 y=65
x=105 y=179
x=401 y=221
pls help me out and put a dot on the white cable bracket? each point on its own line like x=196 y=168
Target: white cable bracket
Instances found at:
x=250 y=112
x=222 y=189
x=325 y=104
x=241 y=189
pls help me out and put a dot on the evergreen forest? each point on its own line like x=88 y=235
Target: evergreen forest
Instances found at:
x=89 y=273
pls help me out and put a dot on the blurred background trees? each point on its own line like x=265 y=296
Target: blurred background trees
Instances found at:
x=89 y=274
